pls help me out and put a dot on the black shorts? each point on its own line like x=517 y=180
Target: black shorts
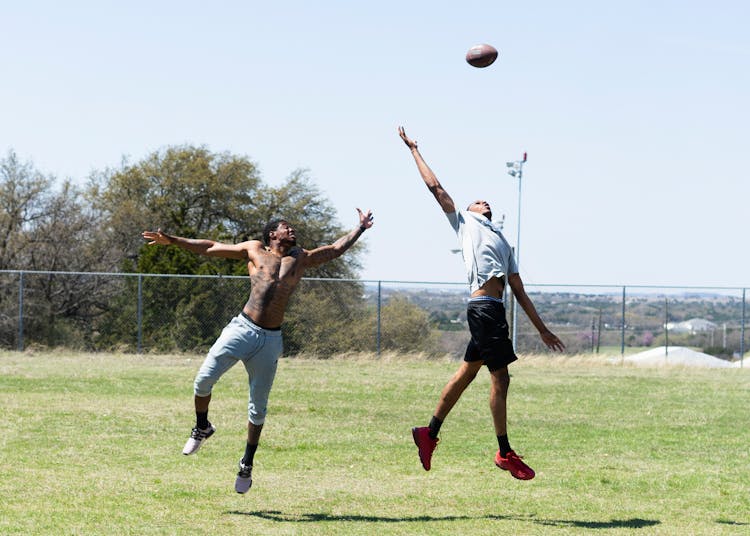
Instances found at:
x=489 y=335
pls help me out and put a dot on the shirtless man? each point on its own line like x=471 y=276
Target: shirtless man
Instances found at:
x=275 y=267
x=489 y=264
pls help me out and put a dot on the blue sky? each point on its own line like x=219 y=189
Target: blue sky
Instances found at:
x=634 y=115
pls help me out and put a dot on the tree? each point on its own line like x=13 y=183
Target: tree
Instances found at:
x=314 y=218
x=325 y=318
x=184 y=190
x=49 y=228
x=192 y=192
x=406 y=327
x=22 y=193
x=23 y=198
x=45 y=227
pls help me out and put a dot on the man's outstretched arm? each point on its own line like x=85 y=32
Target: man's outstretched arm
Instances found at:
x=429 y=178
x=324 y=254
x=209 y=248
x=549 y=338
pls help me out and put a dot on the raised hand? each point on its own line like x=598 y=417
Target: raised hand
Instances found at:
x=411 y=144
x=365 y=219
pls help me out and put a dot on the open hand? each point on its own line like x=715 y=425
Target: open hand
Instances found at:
x=365 y=219
x=157 y=237
x=411 y=144
x=552 y=342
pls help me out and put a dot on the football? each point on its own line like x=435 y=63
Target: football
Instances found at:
x=482 y=55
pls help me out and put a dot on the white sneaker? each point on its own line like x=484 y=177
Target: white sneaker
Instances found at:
x=244 y=478
x=196 y=439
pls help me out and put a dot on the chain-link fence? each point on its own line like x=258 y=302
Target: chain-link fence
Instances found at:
x=617 y=319
x=168 y=313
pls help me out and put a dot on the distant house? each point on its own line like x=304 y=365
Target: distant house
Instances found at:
x=692 y=326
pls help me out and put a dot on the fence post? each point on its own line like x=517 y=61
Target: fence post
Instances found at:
x=140 y=313
x=20 y=312
x=377 y=338
x=666 y=325
x=622 y=325
x=742 y=332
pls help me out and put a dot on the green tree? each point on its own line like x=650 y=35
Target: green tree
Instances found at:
x=300 y=201
x=192 y=192
x=406 y=327
x=185 y=190
x=328 y=317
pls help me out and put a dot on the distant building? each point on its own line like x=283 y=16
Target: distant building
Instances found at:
x=692 y=326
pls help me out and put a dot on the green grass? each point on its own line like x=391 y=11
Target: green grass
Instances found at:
x=91 y=445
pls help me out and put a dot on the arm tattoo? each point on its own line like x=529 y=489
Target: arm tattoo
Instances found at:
x=346 y=241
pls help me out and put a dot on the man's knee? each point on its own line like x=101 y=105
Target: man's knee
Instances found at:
x=203 y=384
x=467 y=373
x=256 y=413
x=501 y=378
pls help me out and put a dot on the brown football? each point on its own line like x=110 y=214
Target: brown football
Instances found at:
x=481 y=55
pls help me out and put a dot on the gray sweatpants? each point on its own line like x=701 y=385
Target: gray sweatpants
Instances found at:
x=258 y=349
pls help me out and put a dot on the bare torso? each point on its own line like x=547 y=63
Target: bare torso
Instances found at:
x=493 y=287
x=273 y=278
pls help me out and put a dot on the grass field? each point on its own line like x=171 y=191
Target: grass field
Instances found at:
x=91 y=445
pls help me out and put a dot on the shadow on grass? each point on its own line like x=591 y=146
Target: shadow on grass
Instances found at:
x=734 y=523
x=275 y=515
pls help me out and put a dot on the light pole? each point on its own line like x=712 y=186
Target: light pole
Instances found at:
x=515 y=169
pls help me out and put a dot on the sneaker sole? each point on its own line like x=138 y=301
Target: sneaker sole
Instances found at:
x=240 y=491
x=419 y=451
x=514 y=476
x=199 y=445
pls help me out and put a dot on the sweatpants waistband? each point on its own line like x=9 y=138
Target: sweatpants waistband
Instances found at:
x=247 y=317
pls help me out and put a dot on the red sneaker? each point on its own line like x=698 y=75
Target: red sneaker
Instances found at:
x=513 y=463
x=425 y=444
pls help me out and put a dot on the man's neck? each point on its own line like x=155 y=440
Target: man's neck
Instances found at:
x=279 y=249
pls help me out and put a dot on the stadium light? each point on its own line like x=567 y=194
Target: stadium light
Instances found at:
x=515 y=169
